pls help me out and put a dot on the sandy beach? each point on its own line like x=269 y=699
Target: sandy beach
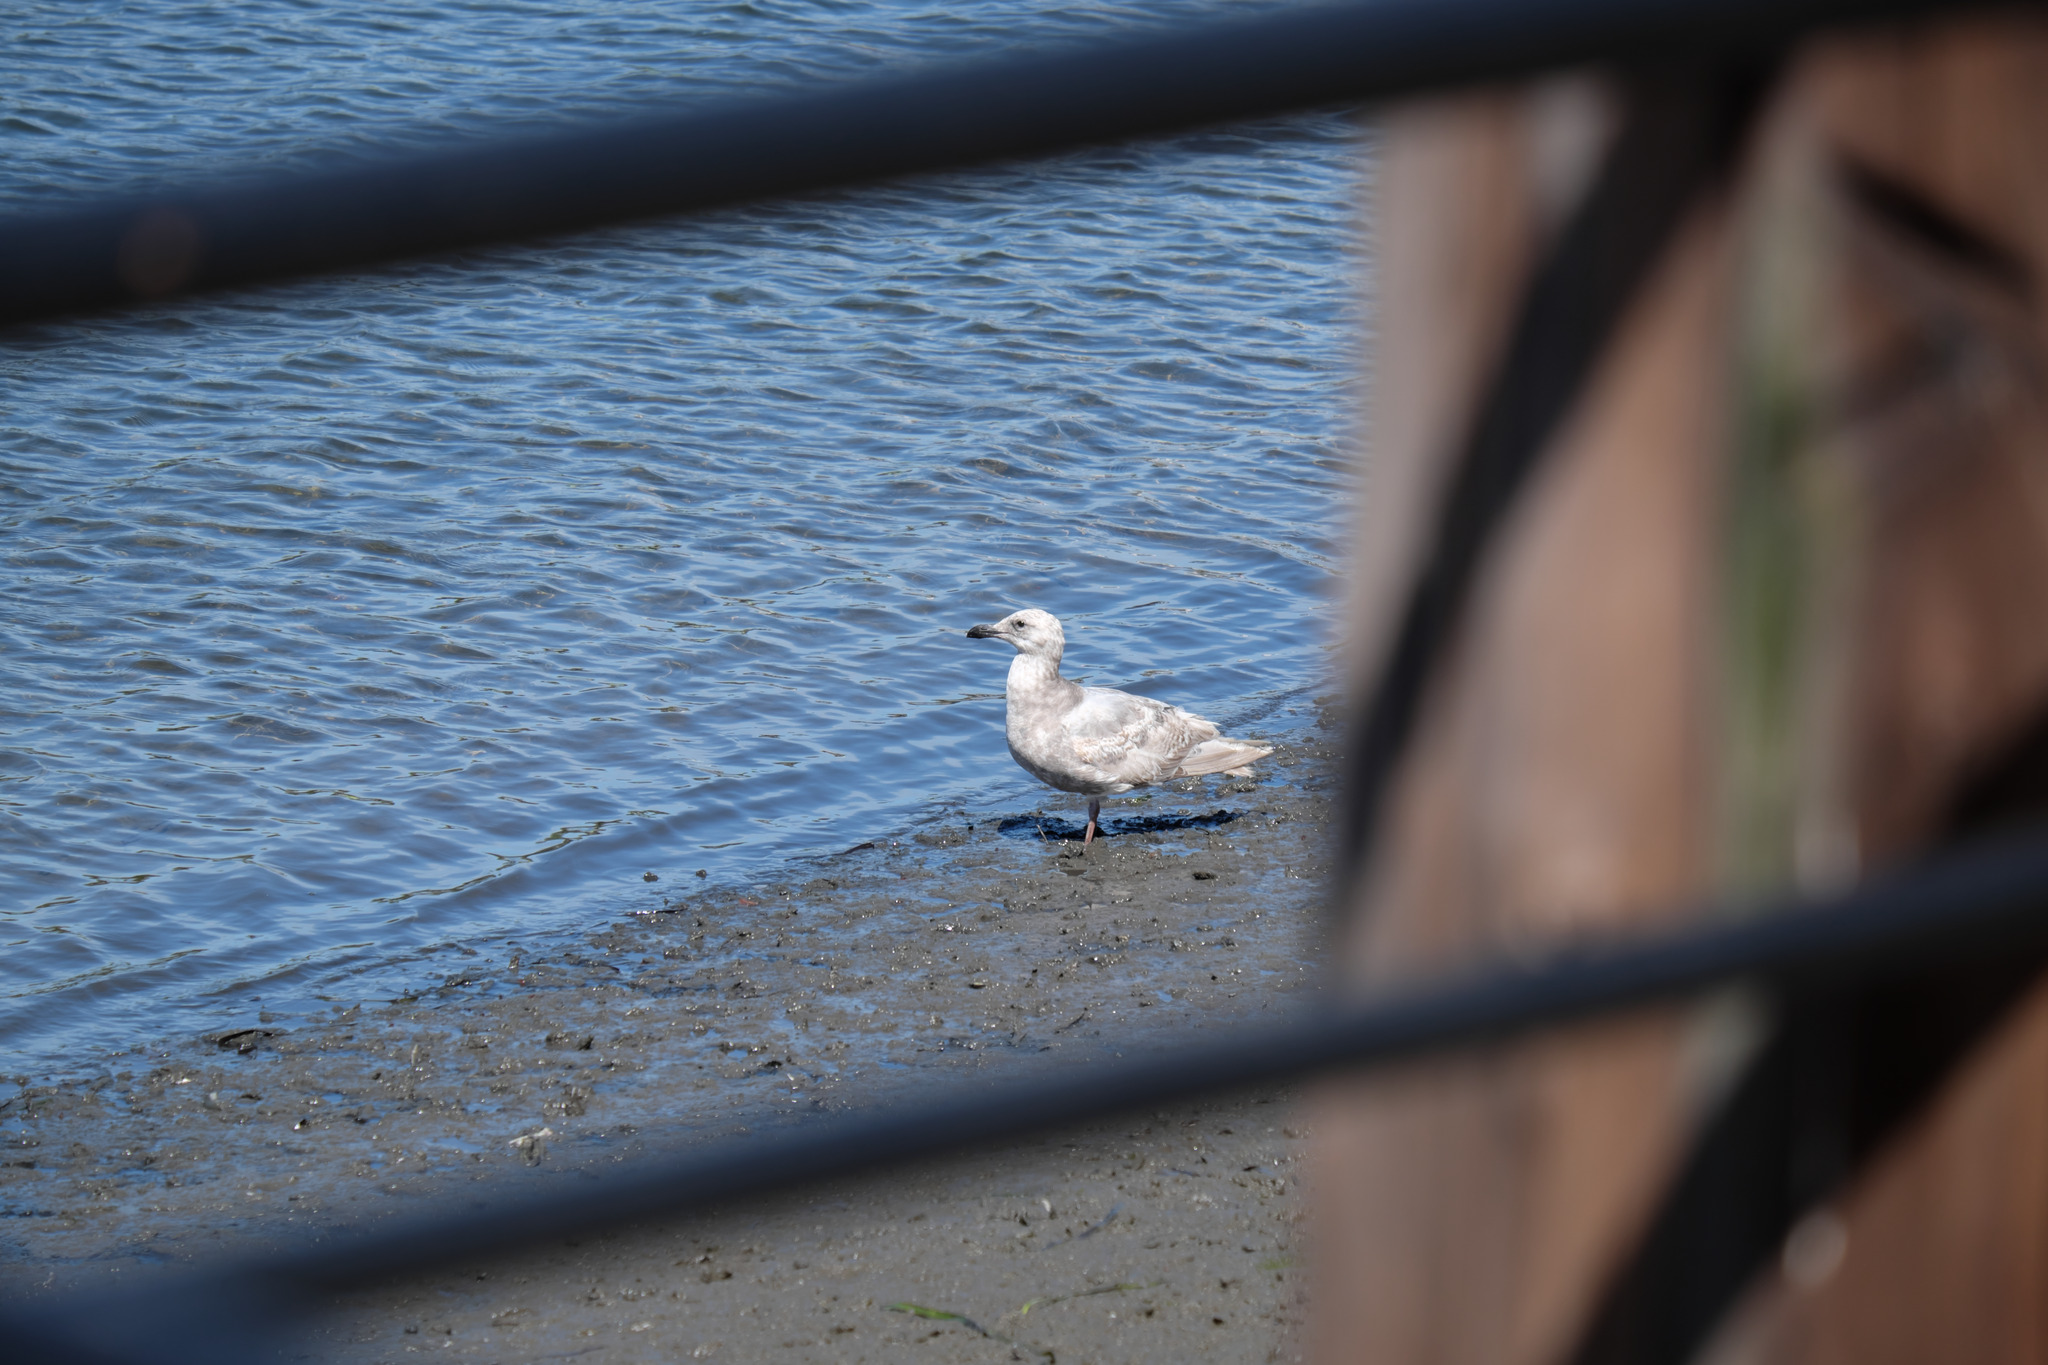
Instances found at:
x=862 y=978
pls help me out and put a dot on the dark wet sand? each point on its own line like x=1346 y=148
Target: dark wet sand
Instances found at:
x=873 y=976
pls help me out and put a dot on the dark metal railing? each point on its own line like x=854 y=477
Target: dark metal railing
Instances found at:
x=184 y=237
x=1873 y=995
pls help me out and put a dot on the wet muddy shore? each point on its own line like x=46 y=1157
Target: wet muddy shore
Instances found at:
x=860 y=979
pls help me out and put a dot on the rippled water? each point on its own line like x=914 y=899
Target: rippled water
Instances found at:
x=367 y=612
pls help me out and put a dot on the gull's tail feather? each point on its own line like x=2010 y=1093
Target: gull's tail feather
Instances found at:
x=1219 y=755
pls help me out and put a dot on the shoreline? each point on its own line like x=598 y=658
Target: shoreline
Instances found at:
x=378 y=973
x=949 y=947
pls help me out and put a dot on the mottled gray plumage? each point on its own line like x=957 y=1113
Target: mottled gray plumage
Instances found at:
x=1097 y=741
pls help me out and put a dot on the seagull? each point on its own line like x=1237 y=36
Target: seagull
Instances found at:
x=1096 y=740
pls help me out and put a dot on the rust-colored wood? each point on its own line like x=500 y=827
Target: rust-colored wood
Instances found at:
x=1474 y=1205
x=1780 y=592
x=1940 y=363
x=1945 y=1256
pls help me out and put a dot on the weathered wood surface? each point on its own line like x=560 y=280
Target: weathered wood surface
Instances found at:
x=1781 y=591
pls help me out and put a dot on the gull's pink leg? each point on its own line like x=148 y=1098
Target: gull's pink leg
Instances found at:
x=1094 y=809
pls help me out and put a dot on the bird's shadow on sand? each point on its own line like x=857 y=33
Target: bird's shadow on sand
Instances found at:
x=1054 y=830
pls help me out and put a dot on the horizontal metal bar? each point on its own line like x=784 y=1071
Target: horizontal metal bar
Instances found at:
x=184 y=238
x=1987 y=899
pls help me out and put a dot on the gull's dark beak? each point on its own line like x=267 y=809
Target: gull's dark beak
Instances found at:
x=982 y=632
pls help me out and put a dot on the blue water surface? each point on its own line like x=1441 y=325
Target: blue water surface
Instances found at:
x=363 y=613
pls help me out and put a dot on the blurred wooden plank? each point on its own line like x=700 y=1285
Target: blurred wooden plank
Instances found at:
x=1935 y=363
x=1781 y=594
x=1476 y=1207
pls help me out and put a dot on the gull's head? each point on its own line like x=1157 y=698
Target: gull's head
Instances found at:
x=1032 y=631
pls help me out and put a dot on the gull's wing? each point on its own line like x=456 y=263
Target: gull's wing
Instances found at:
x=1134 y=738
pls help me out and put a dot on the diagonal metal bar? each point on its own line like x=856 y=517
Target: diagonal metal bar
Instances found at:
x=1986 y=903
x=1683 y=127
x=183 y=238
x=1843 y=1070
x=1847 y=1064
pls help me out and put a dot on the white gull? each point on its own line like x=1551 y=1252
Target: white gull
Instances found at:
x=1097 y=741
